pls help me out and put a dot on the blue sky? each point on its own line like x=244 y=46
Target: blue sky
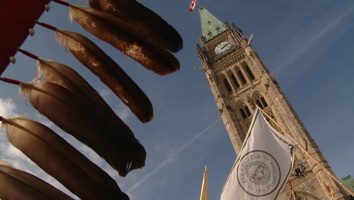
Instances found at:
x=307 y=46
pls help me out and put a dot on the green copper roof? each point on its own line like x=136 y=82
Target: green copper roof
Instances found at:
x=211 y=26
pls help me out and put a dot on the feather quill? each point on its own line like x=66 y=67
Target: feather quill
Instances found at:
x=101 y=25
x=59 y=159
x=17 y=184
x=143 y=22
x=88 y=124
x=109 y=72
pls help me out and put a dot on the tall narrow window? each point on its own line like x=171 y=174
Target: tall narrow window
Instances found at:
x=261 y=102
x=249 y=73
x=233 y=78
x=245 y=112
x=227 y=85
x=264 y=103
x=243 y=80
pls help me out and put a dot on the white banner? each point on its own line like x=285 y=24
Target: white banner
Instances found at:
x=263 y=165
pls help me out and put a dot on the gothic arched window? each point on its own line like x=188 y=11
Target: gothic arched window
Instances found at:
x=245 y=111
x=261 y=102
x=227 y=85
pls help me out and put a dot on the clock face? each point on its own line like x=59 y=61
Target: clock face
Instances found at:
x=223 y=46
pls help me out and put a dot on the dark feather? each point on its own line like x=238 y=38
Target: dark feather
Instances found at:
x=109 y=72
x=59 y=159
x=143 y=22
x=99 y=24
x=88 y=124
x=67 y=77
x=17 y=184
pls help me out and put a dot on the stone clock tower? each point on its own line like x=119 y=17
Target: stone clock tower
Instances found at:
x=239 y=81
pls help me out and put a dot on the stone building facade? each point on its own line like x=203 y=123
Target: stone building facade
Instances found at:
x=239 y=81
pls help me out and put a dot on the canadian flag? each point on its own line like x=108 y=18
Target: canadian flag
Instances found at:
x=191 y=7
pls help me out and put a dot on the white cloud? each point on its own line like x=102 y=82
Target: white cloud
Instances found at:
x=13 y=152
x=7 y=107
x=123 y=111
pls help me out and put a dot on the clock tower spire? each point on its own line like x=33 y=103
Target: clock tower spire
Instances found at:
x=239 y=81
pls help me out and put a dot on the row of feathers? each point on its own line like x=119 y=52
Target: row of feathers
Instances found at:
x=69 y=101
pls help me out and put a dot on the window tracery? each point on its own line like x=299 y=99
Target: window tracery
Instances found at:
x=245 y=111
x=261 y=102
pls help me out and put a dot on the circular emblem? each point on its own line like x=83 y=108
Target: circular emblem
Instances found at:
x=258 y=173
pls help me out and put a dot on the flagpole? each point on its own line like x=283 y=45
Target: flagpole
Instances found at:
x=308 y=154
x=198 y=4
x=204 y=190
